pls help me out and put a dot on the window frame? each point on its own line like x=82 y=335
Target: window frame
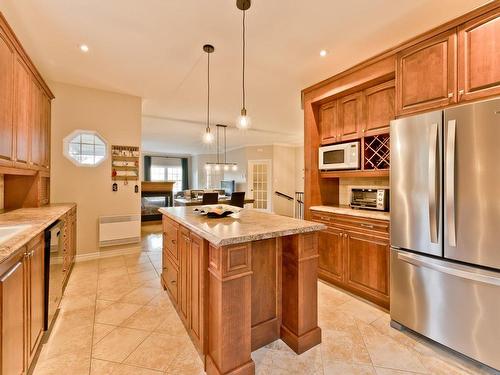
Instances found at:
x=67 y=141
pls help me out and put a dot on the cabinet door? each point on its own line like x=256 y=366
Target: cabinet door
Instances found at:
x=45 y=131
x=170 y=278
x=367 y=264
x=12 y=319
x=479 y=57
x=170 y=238
x=379 y=107
x=330 y=255
x=350 y=116
x=328 y=122
x=35 y=120
x=6 y=98
x=22 y=84
x=184 y=250
x=197 y=270
x=35 y=296
x=426 y=74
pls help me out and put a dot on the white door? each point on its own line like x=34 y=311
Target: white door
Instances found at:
x=259 y=183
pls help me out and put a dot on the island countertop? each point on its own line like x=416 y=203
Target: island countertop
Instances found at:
x=245 y=226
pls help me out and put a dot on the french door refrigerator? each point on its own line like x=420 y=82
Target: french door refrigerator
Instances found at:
x=445 y=227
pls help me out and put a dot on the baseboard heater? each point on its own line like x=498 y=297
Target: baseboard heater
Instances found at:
x=119 y=230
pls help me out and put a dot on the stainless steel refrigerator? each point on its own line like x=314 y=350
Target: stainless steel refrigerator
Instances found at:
x=445 y=227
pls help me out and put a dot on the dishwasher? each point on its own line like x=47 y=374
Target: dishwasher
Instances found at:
x=53 y=272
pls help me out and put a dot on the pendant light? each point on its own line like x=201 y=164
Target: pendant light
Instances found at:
x=208 y=137
x=243 y=121
x=221 y=161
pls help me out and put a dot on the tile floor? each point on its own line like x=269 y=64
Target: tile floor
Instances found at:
x=116 y=319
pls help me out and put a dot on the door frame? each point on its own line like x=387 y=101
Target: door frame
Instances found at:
x=269 y=164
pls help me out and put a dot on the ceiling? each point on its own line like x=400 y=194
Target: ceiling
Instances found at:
x=153 y=49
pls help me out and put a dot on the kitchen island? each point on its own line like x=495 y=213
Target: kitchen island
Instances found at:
x=241 y=282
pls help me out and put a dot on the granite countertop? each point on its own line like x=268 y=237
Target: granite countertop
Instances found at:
x=346 y=210
x=37 y=219
x=245 y=226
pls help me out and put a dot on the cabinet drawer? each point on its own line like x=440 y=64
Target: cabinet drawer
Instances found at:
x=170 y=238
x=170 y=276
x=348 y=222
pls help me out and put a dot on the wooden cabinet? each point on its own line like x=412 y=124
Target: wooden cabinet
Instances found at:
x=354 y=254
x=68 y=243
x=12 y=289
x=25 y=102
x=184 y=254
x=22 y=288
x=426 y=74
x=328 y=120
x=350 y=116
x=184 y=280
x=379 y=106
x=367 y=264
x=6 y=97
x=35 y=295
x=330 y=254
x=479 y=57
x=22 y=108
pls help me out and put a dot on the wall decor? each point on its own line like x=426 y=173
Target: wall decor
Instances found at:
x=125 y=163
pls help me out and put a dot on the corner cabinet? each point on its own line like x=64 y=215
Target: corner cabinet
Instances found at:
x=22 y=307
x=184 y=257
x=354 y=255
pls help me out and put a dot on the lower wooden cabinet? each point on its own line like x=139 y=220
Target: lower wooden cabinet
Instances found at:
x=22 y=308
x=184 y=257
x=354 y=254
x=69 y=243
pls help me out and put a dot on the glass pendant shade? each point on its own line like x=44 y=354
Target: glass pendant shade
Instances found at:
x=235 y=167
x=243 y=121
x=208 y=137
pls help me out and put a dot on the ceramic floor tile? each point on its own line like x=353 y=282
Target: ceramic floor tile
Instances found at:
x=342 y=368
x=140 y=295
x=67 y=339
x=72 y=363
x=387 y=352
x=156 y=352
x=100 y=367
x=147 y=318
x=142 y=267
x=138 y=258
x=345 y=346
x=388 y=371
x=100 y=331
x=172 y=326
x=118 y=344
x=361 y=310
x=116 y=313
x=112 y=262
x=187 y=362
x=140 y=277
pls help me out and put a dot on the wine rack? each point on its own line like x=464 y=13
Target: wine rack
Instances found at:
x=377 y=152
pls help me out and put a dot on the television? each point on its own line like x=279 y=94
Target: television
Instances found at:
x=228 y=186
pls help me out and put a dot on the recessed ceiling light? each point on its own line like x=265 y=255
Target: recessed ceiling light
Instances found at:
x=84 y=48
x=323 y=53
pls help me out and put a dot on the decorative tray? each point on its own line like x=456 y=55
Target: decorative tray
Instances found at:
x=217 y=210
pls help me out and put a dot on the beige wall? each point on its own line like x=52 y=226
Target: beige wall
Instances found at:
x=117 y=118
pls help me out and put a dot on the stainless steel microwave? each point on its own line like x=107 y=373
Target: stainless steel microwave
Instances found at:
x=340 y=156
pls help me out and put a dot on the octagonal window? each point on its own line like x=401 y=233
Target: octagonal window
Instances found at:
x=85 y=148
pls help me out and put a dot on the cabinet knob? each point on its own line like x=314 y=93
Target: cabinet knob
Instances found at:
x=461 y=92
x=345 y=235
x=173 y=282
x=450 y=95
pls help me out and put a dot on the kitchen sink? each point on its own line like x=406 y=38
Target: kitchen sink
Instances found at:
x=7 y=232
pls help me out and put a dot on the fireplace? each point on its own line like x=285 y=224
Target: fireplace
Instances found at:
x=153 y=196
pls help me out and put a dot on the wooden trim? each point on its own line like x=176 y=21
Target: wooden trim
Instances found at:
x=22 y=52
x=18 y=171
x=401 y=46
x=356 y=173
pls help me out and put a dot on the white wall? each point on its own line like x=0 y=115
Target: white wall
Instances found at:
x=117 y=118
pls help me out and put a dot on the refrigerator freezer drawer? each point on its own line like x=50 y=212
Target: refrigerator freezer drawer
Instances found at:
x=455 y=305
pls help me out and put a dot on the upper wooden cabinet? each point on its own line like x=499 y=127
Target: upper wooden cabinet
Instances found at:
x=479 y=57
x=350 y=116
x=6 y=97
x=328 y=120
x=426 y=74
x=379 y=107
x=24 y=109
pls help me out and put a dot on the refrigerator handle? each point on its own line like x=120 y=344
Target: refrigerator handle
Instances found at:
x=450 y=183
x=433 y=183
x=420 y=261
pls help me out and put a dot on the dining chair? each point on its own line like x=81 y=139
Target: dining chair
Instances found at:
x=237 y=199
x=210 y=198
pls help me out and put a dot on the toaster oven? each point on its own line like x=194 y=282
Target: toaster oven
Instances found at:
x=370 y=199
